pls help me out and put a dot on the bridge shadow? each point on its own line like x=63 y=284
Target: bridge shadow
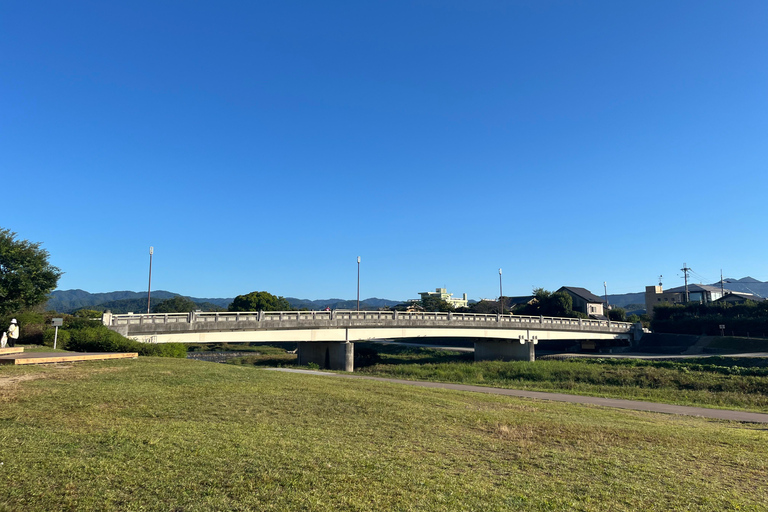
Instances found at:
x=392 y=354
x=366 y=354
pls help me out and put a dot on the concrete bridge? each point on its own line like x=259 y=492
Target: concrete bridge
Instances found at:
x=324 y=336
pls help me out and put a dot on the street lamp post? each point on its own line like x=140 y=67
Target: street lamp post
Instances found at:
x=149 y=286
x=358 y=283
x=605 y=288
x=501 y=296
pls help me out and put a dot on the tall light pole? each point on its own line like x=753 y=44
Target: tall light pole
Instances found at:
x=501 y=296
x=149 y=286
x=358 y=283
x=605 y=288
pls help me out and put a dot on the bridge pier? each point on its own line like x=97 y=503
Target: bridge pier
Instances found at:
x=505 y=350
x=331 y=355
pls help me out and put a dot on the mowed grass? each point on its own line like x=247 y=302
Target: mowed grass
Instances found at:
x=731 y=383
x=171 y=434
x=719 y=382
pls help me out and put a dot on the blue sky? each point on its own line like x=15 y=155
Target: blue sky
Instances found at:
x=265 y=145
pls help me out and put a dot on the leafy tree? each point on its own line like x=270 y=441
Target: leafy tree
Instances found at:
x=176 y=304
x=559 y=304
x=259 y=301
x=617 y=314
x=430 y=303
x=486 y=307
x=546 y=303
x=26 y=277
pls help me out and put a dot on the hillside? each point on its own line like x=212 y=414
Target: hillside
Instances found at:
x=744 y=285
x=69 y=301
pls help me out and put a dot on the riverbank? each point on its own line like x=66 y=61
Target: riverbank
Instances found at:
x=175 y=434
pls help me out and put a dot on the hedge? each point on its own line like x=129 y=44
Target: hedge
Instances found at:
x=98 y=338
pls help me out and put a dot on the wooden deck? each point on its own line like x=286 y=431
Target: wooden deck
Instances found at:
x=16 y=355
x=11 y=350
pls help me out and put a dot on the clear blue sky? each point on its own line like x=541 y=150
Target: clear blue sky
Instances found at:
x=265 y=145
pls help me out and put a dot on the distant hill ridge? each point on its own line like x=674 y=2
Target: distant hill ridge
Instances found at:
x=69 y=301
x=744 y=285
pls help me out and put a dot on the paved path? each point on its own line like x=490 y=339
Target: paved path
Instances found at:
x=636 y=405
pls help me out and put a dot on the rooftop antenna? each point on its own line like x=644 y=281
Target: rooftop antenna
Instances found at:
x=660 y=278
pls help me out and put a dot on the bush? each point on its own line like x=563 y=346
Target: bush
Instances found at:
x=62 y=340
x=88 y=313
x=84 y=335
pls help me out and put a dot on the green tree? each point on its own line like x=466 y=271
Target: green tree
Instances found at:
x=259 y=301
x=558 y=304
x=177 y=304
x=486 y=307
x=26 y=277
x=546 y=303
x=430 y=303
x=617 y=314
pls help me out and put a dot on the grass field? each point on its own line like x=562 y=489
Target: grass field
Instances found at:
x=728 y=383
x=174 y=434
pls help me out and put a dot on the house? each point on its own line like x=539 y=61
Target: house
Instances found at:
x=739 y=298
x=443 y=294
x=512 y=302
x=585 y=301
x=702 y=293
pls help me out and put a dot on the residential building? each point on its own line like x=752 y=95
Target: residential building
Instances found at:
x=739 y=298
x=702 y=293
x=442 y=293
x=585 y=301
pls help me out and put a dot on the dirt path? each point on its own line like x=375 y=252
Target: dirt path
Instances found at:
x=635 y=405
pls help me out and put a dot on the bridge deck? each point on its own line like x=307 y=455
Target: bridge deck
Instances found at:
x=341 y=326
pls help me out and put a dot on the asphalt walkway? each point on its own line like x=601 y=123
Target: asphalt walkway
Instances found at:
x=635 y=405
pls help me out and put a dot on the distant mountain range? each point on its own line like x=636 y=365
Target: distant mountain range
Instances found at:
x=69 y=301
x=743 y=285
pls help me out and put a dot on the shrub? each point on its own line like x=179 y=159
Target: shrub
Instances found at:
x=62 y=340
x=84 y=336
x=88 y=313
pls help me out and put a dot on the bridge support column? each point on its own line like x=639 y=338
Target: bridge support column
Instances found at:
x=505 y=350
x=331 y=355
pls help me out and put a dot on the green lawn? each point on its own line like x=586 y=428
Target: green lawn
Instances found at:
x=174 y=434
x=720 y=382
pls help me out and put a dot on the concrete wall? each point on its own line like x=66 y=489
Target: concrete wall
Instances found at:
x=328 y=355
x=504 y=350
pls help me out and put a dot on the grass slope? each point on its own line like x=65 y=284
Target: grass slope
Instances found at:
x=169 y=434
x=721 y=382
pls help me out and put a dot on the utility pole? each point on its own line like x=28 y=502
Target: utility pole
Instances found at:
x=358 y=284
x=605 y=288
x=685 y=269
x=722 y=286
x=501 y=296
x=149 y=286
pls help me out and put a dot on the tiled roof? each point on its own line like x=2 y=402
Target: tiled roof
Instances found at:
x=583 y=293
x=698 y=288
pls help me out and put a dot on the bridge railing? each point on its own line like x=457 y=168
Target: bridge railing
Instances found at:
x=309 y=317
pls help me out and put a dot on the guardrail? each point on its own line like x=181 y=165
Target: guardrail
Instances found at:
x=272 y=318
